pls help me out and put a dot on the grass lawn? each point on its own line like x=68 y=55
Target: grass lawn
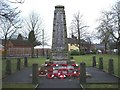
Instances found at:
x=0 y=68
x=101 y=86
x=40 y=61
x=82 y=58
x=88 y=60
x=18 y=85
x=14 y=65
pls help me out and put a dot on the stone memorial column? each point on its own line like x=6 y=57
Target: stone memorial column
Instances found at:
x=59 y=39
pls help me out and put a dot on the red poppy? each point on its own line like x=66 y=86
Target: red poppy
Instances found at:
x=50 y=75
x=64 y=69
x=74 y=64
x=68 y=74
x=48 y=64
x=78 y=68
x=64 y=65
x=50 y=69
x=71 y=69
x=75 y=74
x=55 y=74
x=54 y=65
x=61 y=76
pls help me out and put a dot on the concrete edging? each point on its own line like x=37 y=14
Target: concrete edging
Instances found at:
x=82 y=87
x=36 y=86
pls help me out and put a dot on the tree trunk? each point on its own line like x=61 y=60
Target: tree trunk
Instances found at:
x=5 y=47
x=79 y=42
x=105 y=48
x=32 y=51
x=118 y=47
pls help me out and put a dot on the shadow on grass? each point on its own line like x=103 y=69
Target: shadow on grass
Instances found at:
x=16 y=86
x=101 y=86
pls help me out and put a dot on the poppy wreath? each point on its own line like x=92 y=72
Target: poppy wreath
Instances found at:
x=41 y=72
x=50 y=76
x=61 y=76
x=46 y=65
x=54 y=65
x=75 y=74
x=64 y=64
x=50 y=69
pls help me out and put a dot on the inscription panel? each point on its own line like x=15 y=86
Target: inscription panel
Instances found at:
x=60 y=56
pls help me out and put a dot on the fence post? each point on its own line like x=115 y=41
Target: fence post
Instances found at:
x=18 y=64
x=101 y=63
x=25 y=62
x=35 y=73
x=82 y=73
x=8 y=67
x=94 y=61
x=111 y=67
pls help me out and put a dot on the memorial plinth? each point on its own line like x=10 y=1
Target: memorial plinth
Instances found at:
x=59 y=39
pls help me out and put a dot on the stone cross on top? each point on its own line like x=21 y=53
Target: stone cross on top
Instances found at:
x=59 y=39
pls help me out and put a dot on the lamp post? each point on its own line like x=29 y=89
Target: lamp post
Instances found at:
x=43 y=40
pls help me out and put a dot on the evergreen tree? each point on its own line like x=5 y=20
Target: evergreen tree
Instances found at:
x=32 y=41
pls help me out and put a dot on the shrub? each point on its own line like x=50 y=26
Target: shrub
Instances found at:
x=82 y=52
x=93 y=52
x=71 y=57
x=74 y=52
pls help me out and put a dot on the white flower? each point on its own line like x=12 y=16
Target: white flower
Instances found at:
x=76 y=64
x=52 y=75
x=45 y=64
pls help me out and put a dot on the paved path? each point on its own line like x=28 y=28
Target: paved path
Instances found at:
x=99 y=76
x=59 y=83
x=21 y=76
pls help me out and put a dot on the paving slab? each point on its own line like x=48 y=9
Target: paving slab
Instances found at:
x=21 y=76
x=59 y=83
x=99 y=76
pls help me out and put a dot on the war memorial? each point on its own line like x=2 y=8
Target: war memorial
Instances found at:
x=59 y=39
x=60 y=71
x=59 y=56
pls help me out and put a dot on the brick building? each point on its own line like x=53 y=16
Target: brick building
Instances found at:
x=18 y=48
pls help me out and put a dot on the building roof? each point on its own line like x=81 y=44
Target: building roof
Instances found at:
x=99 y=46
x=41 y=47
x=72 y=41
x=20 y=42
x=75 y=41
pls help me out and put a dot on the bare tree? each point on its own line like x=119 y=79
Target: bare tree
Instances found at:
x=89 y=40
x=104 y=28
x=78 y=28
x=9 y=22
x=18 y=1
x=8 y=13
x=34 y=24
x=109 y=28
x=116 y=23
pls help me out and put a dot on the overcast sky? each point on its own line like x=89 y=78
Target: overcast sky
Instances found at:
x=90 y=9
